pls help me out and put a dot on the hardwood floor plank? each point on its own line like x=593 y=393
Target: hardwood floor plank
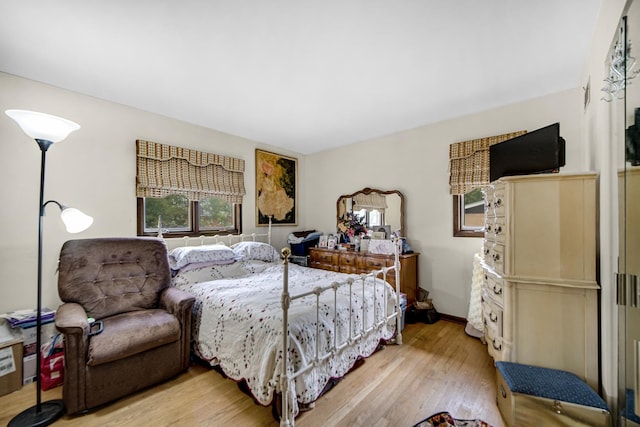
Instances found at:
x=438 y=368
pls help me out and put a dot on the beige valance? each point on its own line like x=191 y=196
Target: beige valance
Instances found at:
x=469 y=162
x=165 y=169
x=372 y=201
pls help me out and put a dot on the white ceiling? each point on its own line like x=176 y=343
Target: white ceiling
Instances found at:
x=304 y=75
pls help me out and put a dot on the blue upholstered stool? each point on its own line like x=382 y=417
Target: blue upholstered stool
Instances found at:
x=628 y=413
x=535 y=396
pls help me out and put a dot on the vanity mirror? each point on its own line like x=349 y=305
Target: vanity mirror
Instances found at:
x=382 y=210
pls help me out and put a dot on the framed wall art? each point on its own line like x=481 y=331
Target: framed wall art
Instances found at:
x=276 y=189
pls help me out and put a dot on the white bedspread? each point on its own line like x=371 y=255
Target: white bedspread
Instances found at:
x=238 y=323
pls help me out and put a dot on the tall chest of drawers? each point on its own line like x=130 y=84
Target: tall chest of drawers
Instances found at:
x=540 y=292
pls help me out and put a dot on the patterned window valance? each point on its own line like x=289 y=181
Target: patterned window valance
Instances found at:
x=469 y=162
x=164 y=169
x=373 y=201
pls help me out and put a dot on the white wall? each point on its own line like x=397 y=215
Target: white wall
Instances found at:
x=416 y=163
x=94 y=170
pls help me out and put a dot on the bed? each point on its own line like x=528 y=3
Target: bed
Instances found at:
x=248 y=295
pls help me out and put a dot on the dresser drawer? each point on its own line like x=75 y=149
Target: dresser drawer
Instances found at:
x=492 y=316
x=370 y=263
x=324 y=260
x=498 y=200
x=495 y=256
x=324 y=257
x=348 y=260
x=324 y=266
x=492 y=320
x=493 y=286
x=495 y=229
x=494 y=344
x=486 y=252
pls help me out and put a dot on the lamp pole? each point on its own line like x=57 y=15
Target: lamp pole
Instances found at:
x=46 y=130
x=43 y=414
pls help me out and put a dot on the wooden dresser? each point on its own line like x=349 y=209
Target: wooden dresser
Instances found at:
x=539 y=298
x=364 y=262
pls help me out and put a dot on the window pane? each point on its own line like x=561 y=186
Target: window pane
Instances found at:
x=172 y=210
x=473 y=209
x=215 y=214
x=375 y=218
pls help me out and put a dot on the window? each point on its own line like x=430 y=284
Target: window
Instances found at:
x=187 y=192
x=373 y=218
x=468 y=214
x=177 y=216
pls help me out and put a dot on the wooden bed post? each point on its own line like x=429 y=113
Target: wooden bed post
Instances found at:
x=398 y=309
x=284 y=377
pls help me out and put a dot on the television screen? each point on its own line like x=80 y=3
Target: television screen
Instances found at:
x=542 y=150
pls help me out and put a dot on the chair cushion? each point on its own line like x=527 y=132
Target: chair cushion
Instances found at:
x=130 y=333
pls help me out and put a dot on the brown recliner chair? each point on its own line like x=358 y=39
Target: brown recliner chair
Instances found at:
x=124 y=284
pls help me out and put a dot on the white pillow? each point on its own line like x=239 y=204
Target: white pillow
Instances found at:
x=185 y=255
x=246 y=251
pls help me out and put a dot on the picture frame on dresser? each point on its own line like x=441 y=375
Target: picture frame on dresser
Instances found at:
x=378 y=235
x=322 y=241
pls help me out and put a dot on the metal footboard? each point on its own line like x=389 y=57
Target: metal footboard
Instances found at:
x=379 y=278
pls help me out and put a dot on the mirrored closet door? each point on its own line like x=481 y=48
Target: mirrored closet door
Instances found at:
x=625 y=109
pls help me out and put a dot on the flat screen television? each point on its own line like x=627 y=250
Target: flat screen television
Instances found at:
x=542 y=150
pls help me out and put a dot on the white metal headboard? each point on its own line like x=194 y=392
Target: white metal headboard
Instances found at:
x=226 y=239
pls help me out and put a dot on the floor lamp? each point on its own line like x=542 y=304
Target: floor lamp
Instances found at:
x=46 y=130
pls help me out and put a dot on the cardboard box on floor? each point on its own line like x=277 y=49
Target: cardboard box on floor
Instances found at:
x=10 y=366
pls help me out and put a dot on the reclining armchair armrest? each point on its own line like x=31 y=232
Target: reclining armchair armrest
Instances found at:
x=179 y=303
x=71 y=319
x=176 y=301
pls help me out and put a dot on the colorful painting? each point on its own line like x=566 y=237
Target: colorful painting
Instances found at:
x=276 y=189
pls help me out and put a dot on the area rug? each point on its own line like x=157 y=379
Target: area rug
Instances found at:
x=444 y=419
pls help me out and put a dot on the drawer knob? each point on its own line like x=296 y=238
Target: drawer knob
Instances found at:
x=496 y=257
x=497 y=290
x=493 y=317
x=498 y=230
x=497 y=346
x=497 y=203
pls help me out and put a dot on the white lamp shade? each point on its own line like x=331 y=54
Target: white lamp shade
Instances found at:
x=43 y=126
x=75 y=220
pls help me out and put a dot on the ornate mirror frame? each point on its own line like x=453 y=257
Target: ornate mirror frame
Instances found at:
x=367 y=190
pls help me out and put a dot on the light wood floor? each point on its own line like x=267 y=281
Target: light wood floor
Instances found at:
x=438 y=368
